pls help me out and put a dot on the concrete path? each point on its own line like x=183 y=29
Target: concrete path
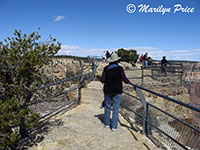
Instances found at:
x=82 y=128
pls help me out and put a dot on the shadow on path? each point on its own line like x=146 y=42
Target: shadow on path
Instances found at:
x=35 y=136
x=100 y=117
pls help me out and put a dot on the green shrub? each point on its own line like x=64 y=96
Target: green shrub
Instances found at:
x=129 y=56
x=21 y=58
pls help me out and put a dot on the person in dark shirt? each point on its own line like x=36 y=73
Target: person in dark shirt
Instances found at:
x=107 y=55
x=145 y=57
x=112 y=77
x=163 y=63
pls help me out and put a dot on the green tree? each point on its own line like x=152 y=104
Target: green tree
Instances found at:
x=21 y=58
x=129 y=56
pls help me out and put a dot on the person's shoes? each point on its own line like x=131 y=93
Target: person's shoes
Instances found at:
x=106 y=126
x=114 y=129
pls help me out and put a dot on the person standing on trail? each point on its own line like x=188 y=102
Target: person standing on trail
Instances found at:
x=112 y=77
x=163 y=64
x=141 y=58
x=104 y=55
x=107 y=55
x=145 y=57
x=164 y=61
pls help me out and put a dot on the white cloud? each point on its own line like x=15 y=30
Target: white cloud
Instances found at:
x=149 y=50
x=185 y=51
x=59 y=18
x=68 y=50
x=153 y=52
x=157 y=53
x=78 y=51
x=180 y=51
x=187 y=54
x=182 y=58
x=145 y=48
x=191 y=54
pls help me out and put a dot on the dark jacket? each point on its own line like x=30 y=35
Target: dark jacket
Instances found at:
x=164 y=62
x=112 y=76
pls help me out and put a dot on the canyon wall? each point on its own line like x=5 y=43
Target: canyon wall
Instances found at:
x=191 y=77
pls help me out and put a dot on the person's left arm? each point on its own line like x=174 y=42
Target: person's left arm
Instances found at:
x=124 y=78
x=103 y=77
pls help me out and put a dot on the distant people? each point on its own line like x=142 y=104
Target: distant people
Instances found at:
x=112 y=77
x=107 y=54
x=145 y=60
x=164 y=61
x=149 y=60
x=141 y=58
x=163 y=64
x=104 y=55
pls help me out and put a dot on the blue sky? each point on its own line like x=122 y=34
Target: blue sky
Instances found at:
x=88 y=27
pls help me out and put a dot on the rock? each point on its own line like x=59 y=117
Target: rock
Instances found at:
x=194 y=92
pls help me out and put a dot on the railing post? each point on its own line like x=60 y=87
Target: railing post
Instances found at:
x=142 y=77
x=181 y=76
x=94 y=67
x=146 y=119
x=80 y=83
x=148 y=127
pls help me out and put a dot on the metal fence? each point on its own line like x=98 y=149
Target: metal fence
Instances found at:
x=141 y=77
x=171 y=69
x=171 y=129
x=57 y=97
x=156 y=71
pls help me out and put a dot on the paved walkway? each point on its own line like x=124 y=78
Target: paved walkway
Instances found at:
x=82 y=128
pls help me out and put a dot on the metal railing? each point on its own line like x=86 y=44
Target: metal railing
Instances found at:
x=55 y=97
x=171 y=69
x=139 y=77
x=156 y=71
x=172 y=130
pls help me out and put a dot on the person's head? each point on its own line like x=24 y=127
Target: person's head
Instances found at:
x=164 y=57
x=114 y=58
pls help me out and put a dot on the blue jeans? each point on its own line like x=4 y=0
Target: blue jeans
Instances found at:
x=109 y=98
x=145 y=63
